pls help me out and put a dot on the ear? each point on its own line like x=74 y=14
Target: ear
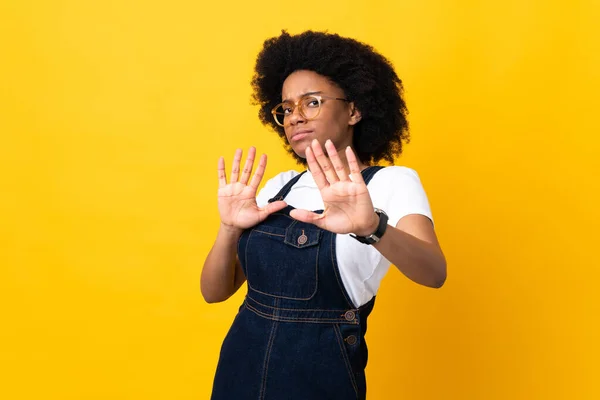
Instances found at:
x=355 y=115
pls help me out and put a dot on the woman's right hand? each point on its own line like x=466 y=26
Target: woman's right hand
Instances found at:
x=237 y=199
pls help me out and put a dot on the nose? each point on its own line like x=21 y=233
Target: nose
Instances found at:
x=295 y=117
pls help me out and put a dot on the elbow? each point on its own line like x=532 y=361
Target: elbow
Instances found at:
x=436 y=283
x=439 y=282
x=439 y=278
x=211 y=298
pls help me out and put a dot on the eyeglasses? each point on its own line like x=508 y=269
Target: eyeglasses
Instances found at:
x=309 y=107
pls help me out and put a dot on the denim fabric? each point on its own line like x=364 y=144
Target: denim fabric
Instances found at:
x=297 y=335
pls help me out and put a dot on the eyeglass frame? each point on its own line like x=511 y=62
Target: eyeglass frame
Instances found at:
x=319 y=98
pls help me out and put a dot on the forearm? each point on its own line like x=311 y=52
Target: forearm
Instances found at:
x=220 y=276
x=420 y=261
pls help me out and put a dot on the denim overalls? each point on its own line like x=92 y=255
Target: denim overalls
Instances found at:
x=297 y=335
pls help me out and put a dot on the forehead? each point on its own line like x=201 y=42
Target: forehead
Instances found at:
x=301 y=82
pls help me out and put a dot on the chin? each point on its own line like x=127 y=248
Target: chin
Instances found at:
x=300 y=152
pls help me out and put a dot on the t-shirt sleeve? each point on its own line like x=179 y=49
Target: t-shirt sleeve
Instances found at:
x=273 y=186
x=399 y=192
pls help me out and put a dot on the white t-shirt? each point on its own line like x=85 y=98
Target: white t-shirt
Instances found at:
x=396 y=190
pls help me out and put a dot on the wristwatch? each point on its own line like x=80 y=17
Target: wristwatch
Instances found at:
x=375 y=236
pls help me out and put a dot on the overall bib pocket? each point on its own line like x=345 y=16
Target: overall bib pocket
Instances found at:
x=284 y=262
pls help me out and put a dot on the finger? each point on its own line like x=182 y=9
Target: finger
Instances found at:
x=337 y=162
x=309 y=217
x=248 y=166
x=324 y=162
x=260 y=171
x=221 y=173
x=235 y=169
x=315 y=169
x=355 y=174
x=271 y=208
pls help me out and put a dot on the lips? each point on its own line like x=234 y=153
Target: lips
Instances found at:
x=299 y=135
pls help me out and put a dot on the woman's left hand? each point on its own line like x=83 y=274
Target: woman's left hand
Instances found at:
x=348 y=205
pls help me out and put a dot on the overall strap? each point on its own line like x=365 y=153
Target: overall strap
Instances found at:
x=369 y=172
x=286 y=188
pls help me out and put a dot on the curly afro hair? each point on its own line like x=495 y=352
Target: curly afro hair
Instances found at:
x=367 y=78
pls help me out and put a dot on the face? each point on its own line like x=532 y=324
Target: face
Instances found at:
x=335 y=120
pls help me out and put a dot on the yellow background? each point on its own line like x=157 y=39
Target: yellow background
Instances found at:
x=113 y=115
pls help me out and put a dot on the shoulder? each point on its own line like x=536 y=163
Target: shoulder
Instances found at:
x=398 y=190
x=394 y=176
x=397 y=170
x=273 y=185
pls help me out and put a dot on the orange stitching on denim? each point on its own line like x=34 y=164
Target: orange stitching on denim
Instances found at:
x=276 y=295
x=340 y=340
x=266 y=362
x=295 y=309
x=246 y=257
x=294 y=319
x=267 y=233
x=337 y=272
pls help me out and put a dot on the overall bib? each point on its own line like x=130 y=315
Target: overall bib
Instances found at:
x=297 y=335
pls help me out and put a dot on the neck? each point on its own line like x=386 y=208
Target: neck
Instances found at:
x=342 y=155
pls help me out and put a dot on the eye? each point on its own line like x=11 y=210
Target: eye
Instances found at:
x=285 y=109
x=311 y=102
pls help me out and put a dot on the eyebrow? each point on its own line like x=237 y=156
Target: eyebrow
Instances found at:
x=304 y=94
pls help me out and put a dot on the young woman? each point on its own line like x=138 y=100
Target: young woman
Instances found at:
x=315 y=245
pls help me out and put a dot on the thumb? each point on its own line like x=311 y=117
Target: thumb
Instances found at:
x=309 y=217
x=272 y=207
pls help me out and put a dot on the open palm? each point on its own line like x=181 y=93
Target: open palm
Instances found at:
x=237 y=199
x=348 y=205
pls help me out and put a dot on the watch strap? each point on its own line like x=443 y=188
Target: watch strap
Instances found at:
x=375 y=236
